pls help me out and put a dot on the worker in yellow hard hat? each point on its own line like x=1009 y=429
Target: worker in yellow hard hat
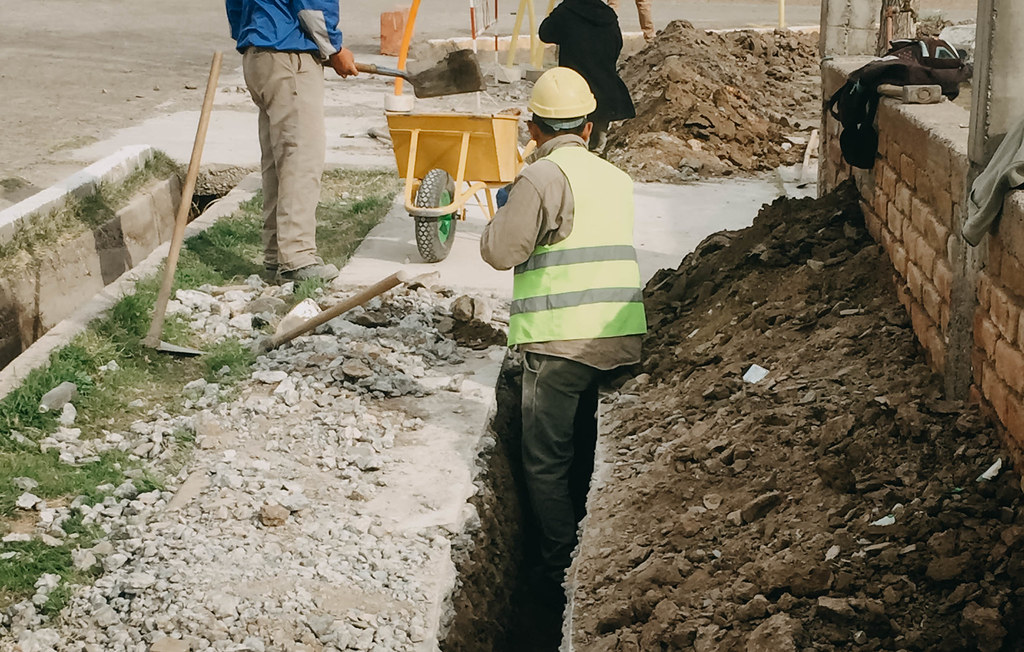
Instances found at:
x=577 y=314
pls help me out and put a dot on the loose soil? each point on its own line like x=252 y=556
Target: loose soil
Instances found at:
x=833 y=505
x=712 y=104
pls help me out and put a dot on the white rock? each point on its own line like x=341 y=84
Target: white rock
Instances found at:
x=68 y=414
x=241 y=322
x=105 y=616
x=25 y=484
x=269 y=377
x=27 y=501
x=139 y=581
x=114 y=561
x=83 y=559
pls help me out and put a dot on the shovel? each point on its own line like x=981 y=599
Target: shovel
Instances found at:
x=156 y=327
x=458 y=72
x=358 y=299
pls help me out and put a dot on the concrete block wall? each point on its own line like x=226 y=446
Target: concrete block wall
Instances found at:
x=913 y=205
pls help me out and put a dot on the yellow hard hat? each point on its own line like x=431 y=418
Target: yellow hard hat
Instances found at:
x=561 y=93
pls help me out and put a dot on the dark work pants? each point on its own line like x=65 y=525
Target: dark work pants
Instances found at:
x=559 y=437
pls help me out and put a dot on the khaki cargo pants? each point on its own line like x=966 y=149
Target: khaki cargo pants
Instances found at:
x=288 y=88
x=643 y=8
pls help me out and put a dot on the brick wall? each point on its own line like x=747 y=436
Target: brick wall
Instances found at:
x=998 y=357
x=913 y=205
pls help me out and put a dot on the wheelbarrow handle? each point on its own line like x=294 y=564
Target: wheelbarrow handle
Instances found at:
x=374 y=69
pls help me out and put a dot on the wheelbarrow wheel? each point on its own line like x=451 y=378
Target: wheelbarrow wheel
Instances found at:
x=434 y=235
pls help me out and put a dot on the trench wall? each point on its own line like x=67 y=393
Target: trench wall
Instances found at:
x=913 y=203
x=38 y=292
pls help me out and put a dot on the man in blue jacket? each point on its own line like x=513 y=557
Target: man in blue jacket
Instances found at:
x=284 y=46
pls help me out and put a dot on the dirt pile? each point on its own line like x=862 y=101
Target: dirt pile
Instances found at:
x=711 y=104
x=833 y=505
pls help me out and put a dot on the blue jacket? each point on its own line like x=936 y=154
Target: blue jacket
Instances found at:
x=286 y=25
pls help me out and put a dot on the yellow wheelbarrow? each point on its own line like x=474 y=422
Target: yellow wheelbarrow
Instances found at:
x=446 y=159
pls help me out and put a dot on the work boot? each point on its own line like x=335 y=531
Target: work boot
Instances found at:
x=321 y=270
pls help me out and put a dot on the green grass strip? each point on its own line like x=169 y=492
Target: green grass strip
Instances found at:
x=352 y=202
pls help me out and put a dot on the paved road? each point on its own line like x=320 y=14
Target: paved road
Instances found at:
x=74 y=73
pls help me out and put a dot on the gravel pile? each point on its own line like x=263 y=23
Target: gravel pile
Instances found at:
x=268 y=538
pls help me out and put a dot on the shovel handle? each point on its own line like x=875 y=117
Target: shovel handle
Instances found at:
x=377 y=289
x=374 y=69
x=156 y=327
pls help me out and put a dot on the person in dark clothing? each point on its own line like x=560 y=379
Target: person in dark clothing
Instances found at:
x=589 y=41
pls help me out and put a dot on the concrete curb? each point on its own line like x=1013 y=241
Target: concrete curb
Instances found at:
x=113 y=168
x=38 y=354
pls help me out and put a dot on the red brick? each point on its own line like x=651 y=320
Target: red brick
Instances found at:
x=994 y=265
x=879 y=204
x=908 y=171
x=1011 y=273
x=938 y=158
x=931 y=301
x=958 y=175
x=985 y=333
x=921 y=323
x=1010 y=365
x=974 y=396
x=943 y=206
x=903 y=294
x=392 y=28
x=984 y=290
x=880 y=234
x=926 y=186
x=895 y=219
x=917 y=249
x=898 y=256
x=935 y=345
x=1014 y=420
x=914 y=278
x=942 y=276
x=893 y=154
x=903 y=198
x=978 y=360
x=888 y=181
x=933 y=231
x=995 y=391
x=1005 y=312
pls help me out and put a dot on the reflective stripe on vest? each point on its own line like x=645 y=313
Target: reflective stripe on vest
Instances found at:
x=588 y=285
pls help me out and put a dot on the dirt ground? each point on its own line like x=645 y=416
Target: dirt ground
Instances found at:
x=710 y=104
x=834 y=505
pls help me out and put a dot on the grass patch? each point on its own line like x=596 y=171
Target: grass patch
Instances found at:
x=43 y=232
x=111 y=397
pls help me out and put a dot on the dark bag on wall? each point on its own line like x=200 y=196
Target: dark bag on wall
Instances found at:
x=908 y=62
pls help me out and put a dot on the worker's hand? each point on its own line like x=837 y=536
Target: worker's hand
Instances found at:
x=344 y=63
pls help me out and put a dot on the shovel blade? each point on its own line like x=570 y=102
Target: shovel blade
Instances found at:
x=458 y=72
x=174 y=349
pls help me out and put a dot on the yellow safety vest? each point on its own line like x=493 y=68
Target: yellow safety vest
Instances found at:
x=588 y=285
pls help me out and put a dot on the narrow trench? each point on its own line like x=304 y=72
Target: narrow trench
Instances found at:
x=494 y=606
x=200 y=204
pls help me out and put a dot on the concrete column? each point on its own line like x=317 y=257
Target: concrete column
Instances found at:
x=998 y=98
x=998 y=83
x=848 y=27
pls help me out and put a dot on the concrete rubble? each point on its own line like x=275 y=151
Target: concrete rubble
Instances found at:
x=279 y=535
